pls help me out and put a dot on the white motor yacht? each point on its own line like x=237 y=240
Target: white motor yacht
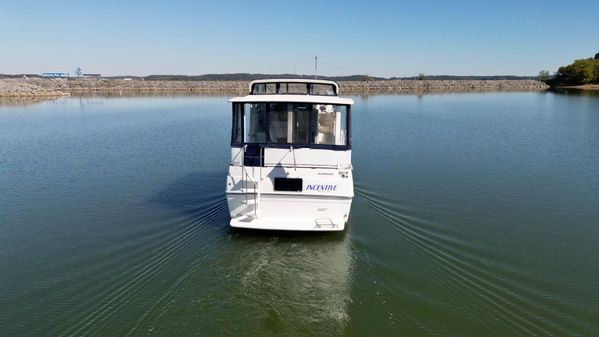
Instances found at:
x=290 y=163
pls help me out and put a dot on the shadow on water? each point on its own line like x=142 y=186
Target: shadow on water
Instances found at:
x=193 y=194
x=151 y=260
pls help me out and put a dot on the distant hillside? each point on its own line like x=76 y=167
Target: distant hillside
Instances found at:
x=251 y=77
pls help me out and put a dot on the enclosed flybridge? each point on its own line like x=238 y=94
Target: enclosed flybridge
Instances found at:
x=290 y=163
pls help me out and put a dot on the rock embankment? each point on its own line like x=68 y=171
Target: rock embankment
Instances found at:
x=112 y=85
x=28 y=88
x=411 y=86
x=61 y=87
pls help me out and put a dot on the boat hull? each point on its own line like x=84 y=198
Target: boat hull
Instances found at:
x=298 y=212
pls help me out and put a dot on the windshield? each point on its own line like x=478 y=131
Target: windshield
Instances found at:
x=290 y=123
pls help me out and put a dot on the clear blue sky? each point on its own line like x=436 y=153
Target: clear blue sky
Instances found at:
x=380 y=38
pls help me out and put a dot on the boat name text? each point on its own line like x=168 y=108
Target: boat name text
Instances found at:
x=319 y=187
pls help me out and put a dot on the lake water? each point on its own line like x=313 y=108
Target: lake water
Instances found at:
x=475 y=214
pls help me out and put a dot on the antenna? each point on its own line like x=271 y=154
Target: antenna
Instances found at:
x=315 y=65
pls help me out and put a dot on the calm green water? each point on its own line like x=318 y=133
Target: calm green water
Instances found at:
x=475 y=215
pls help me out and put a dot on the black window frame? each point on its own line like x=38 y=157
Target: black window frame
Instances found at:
x=309 y=145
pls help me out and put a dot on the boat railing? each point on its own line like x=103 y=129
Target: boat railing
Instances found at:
x=245 y=178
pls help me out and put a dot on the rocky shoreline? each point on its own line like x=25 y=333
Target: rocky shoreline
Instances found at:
x=423 y=86
x=37 y=87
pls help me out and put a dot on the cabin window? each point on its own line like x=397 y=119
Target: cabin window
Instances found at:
x=285 y=123
x=278 y=128
x=288 y=123
x=255 y=123
x=301 y=123
x=237 y=132
x=329 y=124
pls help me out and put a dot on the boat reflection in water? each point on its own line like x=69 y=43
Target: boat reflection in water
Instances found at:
x=284 y=285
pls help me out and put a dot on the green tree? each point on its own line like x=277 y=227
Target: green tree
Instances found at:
x=597 y=56
x=421 y=76
x=544 y=75
x=580 y=72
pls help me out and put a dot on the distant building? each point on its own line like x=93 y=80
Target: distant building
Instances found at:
x=92 y=75
x=56 y=75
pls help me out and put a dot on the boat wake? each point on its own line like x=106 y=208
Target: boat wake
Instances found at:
x=464 y=278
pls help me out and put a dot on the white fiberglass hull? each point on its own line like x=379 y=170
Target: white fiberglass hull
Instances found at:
x=289 y=212
x=321 y=202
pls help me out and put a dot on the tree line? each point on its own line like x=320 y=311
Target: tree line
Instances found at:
x=582 y=71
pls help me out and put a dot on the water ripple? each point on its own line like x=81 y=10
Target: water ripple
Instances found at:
x=523 y=302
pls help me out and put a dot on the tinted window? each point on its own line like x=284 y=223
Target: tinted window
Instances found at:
x=237 y=130
x=278 y=129
x=301 y=123
x=288 y=184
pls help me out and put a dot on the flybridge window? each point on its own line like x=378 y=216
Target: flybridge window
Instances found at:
x=294 y=88
x=271 y=88
x=264 y=89
x=322 y=89
x=297 y=88
x=259 y=89
x=301 y=124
